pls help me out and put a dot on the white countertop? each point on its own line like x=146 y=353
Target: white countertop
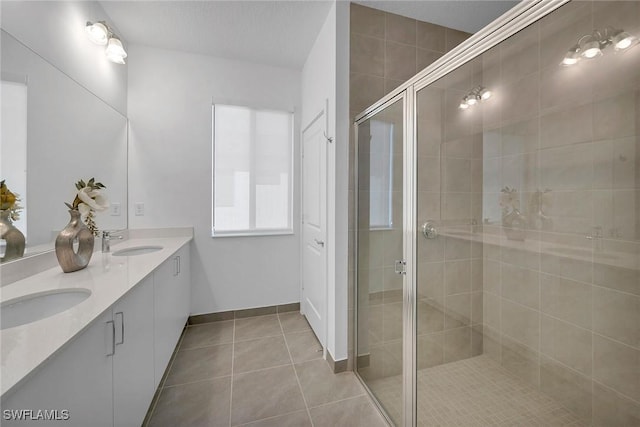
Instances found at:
x=613 y=253
x=24 y=348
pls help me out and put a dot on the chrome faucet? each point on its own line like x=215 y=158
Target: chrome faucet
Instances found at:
x=596 y=236
x=107 y=235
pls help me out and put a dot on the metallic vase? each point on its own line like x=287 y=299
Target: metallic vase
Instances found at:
x=75 y=231
x=14 y=239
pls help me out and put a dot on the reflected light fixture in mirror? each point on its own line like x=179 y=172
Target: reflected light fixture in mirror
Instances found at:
x=477 y=95
x=101 y=34
x=623 y=40
x=592 y=45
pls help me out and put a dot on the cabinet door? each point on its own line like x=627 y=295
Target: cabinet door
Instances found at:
x=133 y=374
x=172 y=302
x=77 y=379
x=164 y=278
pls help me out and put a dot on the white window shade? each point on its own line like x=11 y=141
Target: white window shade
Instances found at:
x=252 y=191
x=381 y=175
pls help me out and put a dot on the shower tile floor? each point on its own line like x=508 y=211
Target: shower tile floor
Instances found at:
x=264 y=371
x=475 y=392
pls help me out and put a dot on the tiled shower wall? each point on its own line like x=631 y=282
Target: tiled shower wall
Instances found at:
x=562 y=307
x=385 y=50
x=449 y=282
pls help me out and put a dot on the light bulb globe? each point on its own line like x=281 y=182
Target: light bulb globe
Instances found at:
x=97 y=32
x=623 y=40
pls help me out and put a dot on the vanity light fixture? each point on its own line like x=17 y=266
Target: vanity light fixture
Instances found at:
x=115 y=51
x=101 y=34
x=97 y=32
x=572 y=56
x=477 y=95
x=592 y=45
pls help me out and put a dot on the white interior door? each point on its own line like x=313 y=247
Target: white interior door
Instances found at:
x=314 y=225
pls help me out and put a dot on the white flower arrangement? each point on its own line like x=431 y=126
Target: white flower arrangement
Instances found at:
x=88 y=200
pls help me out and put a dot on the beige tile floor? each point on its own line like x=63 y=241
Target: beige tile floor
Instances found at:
x=264 y=371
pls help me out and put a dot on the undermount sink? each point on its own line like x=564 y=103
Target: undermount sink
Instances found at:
x=137 y=250
x=32 y=307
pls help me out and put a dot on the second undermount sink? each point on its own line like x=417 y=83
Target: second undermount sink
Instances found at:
x=32 y=307
x=137 y=250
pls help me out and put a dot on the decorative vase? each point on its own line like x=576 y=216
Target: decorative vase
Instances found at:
x=76 y=232
x=515 y=225
x=13 y=238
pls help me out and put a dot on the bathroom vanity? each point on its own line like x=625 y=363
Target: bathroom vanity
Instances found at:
x=100 y=361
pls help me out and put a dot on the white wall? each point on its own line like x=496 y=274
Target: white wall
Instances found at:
x=55 y=30
x=320 y=82
x=170 y=98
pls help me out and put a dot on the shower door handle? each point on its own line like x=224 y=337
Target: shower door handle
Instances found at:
x=429 y=230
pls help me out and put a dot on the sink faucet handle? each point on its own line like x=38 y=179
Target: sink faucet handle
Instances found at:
x=108 y=234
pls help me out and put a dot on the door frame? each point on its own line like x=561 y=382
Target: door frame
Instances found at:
x=514 y=20
x=409 y=338
x=327 y=241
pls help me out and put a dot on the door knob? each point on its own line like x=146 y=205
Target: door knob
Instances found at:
x=319 y=242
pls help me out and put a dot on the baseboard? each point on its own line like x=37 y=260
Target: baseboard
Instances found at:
x=364 y=360
x=336 y=367
x=199 y=319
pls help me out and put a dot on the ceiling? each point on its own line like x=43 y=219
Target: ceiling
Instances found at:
x=279 y=33
x=272 y=32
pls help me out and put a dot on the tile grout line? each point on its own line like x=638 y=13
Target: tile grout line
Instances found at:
x=267 y=419
x=357 y=396
x=198 y=381
x=233 y=349
x=295 y=372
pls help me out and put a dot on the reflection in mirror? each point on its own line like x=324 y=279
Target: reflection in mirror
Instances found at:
x=54 y=133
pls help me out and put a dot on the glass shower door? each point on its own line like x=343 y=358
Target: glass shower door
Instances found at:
x=528 y=171
x=379 y=284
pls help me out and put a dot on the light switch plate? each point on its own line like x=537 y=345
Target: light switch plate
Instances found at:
x=139 y=208
x=114 y=208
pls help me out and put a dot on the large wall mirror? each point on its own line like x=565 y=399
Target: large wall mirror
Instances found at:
x=55 y=132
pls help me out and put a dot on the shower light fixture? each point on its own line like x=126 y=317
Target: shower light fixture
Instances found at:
x=592 y=45
x=100 y=33
x=477 y=95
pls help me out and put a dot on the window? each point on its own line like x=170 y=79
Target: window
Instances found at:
x=381 y=175
x=252 y=171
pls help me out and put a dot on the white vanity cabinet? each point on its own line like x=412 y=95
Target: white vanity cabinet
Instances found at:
x=107 y=375
x=77 y=379
x=103 y=377
x=172 y=300
x=133 y=375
